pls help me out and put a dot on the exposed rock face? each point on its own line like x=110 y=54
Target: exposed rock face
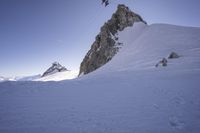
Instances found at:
x=56 y=67
x=173 y=55
x=163 y=62
x=106 y=45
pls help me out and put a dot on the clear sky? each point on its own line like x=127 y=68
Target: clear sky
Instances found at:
x=35 y=33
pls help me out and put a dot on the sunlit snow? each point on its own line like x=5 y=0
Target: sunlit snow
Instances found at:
x=127 y=95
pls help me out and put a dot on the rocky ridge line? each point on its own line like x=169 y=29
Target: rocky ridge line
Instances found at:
x=106 y=44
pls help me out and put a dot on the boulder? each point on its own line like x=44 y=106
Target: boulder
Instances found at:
x=173 y=55
x=163 y=62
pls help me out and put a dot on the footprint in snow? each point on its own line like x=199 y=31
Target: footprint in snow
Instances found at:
x=179 y=100
x=176 y=123
x=156 y=106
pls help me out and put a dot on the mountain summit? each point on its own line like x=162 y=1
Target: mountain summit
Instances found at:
x=106 y=43
x=56 y=67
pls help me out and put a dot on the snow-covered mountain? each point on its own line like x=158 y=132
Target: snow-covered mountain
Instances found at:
x=106 y=43
x=128 y=94
x=55 y=68
x=56 y=72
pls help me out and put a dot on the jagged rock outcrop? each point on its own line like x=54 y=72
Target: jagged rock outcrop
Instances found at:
x=163 y=62
x=106 y=45
x=56 y=67
x=173 y=55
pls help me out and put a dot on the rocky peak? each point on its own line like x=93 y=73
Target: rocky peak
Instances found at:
x=123 y=18
x=55 y=67
x=106 y=45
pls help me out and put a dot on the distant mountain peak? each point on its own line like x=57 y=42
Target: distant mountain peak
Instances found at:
x=55 y=67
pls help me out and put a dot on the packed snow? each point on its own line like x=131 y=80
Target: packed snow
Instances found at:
x=59 y=76
x=127 y=95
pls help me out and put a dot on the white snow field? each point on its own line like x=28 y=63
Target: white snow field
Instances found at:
x=127 y=95
x=59 y=76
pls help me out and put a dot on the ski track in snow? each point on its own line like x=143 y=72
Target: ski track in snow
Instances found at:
x=127 y=95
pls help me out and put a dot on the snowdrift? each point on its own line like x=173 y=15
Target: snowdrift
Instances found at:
x=128 y=94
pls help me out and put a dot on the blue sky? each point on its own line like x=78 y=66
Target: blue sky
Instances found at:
x=35 y=33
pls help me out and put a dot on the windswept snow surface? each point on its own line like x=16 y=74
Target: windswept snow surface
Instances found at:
x=59 y=76
x=127 y=95
x=28 y=78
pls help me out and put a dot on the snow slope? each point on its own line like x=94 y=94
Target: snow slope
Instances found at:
x=127 y=95
x=59 y=76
